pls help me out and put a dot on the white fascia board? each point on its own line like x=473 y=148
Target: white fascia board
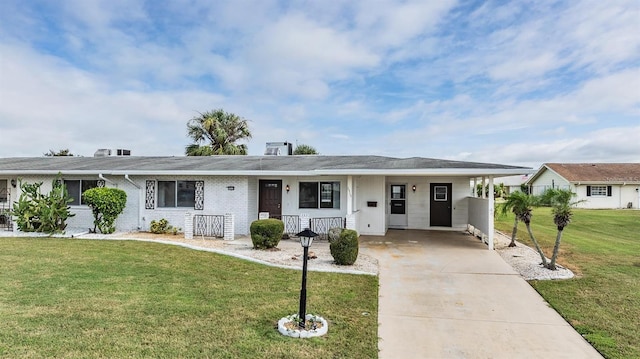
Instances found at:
x=623 y=183
x=430 y=172
x=383 y=172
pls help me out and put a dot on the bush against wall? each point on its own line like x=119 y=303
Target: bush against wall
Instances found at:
x=344 y=250
x=46 y=213
x=106 y=204
x=162 y=226
x=266 y=233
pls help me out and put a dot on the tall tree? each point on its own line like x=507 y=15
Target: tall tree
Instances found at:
x=62 y=152
x=219 y=131
x=521 y=204
x=561 y=204
x=305 y=150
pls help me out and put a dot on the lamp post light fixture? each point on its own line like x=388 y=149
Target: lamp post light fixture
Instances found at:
x=306 y=238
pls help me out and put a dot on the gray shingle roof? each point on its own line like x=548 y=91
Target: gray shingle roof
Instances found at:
x=244 y=164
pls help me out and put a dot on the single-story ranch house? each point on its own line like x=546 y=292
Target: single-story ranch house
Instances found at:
x=597 y=185
x=222 y=195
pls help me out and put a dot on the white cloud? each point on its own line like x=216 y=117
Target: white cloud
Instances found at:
x=401 y=78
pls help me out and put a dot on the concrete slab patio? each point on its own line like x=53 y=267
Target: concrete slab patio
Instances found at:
x=444 y=295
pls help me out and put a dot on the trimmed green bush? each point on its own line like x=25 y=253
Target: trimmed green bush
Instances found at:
x=106 y=204
x=266 y=233
x=345 y=249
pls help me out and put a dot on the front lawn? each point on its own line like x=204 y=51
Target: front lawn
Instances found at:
x=603 y=248
x=88 y=298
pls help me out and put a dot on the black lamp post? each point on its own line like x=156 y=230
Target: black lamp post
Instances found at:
x=306 y=238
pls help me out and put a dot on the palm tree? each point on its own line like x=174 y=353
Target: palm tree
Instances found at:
x=521 y=204
x=560 y=202
x=221 y=129
x=62 y=152
x=305 y=150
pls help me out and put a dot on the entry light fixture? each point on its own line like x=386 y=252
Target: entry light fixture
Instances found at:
x=13 y=183
x=287 y=188
x=413 y=188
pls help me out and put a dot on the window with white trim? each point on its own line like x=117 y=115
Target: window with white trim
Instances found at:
x=173 y=194
x=319 y=195
x=598 y=191
x=75 y=189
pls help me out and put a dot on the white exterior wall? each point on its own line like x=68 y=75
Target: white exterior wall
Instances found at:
x=621 y=195
x=630 y=193
x=126 y=221
x=218 y=200
x=371 y=220
x=547 y=179
x=418 y=203
x=252 y=200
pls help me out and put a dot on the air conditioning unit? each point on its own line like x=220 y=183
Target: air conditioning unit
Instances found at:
x=105 y=152
x=279 y=149
x=102 y=152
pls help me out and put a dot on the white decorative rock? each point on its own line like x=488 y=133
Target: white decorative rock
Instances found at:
x=297 y=333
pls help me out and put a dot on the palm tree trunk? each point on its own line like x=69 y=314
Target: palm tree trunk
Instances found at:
x=535 y=243
x=556 y=247
x=513 y=233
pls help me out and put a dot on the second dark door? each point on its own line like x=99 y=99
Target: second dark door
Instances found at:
x=440 y=207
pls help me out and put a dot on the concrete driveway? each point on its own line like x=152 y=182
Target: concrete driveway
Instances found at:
x=444 y=295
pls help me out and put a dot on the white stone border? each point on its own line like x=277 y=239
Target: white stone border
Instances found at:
x=297 y=333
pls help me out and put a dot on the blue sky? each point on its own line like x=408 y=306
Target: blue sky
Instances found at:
x=521 y=82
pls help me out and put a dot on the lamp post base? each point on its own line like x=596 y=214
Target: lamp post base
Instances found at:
x=289 y=326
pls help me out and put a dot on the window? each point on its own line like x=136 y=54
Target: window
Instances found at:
x=319 y=195
x=75 y=188
x=176 y=193
x=439 y=193
x=398 y=192
x=4 y=192
x=599 y=191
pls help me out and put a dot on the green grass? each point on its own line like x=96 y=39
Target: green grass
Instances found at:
x=72 y=298
x=603 y=248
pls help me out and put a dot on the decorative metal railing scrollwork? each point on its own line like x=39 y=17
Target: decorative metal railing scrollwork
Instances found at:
x=206 y=225
x=5 y=211
x=322 y=225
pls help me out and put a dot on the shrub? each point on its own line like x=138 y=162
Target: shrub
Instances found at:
x=345 y=249
x=266 y=233
x=106 y=204
x=162 y=226
x=37 y=212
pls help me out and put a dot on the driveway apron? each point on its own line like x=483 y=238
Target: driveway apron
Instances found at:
x=444 y=295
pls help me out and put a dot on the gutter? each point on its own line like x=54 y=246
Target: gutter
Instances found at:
x=105 y=179
x=126 y=176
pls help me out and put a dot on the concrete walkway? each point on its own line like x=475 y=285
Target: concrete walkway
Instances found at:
x=444 y=295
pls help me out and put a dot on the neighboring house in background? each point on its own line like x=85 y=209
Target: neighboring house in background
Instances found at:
x=597 y=185
x=512 y=183
x=370 y=194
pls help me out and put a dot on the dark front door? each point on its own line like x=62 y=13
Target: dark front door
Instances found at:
x=270 y=197
x=440 y=205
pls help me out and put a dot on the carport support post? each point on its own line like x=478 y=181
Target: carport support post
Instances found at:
x=492 y=203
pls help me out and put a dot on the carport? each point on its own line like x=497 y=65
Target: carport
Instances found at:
x=443 y=295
